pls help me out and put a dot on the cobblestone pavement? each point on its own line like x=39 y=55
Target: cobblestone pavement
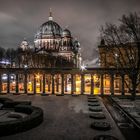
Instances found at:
x=65 y=118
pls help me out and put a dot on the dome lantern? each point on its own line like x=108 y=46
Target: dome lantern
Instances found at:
x=50 y=15
x=49 y=29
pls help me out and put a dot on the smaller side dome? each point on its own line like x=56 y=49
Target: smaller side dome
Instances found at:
x=76 y=43
x=66 y=33
x=24 y=45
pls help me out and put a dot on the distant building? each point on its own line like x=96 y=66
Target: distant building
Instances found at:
x=53 y=47
x=119 y=56
x=51 y=65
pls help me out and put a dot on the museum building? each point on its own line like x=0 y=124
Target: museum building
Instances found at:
x=54 y=66
x=53 y=47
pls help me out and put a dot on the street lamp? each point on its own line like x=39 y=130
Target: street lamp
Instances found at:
x=25 y=66
x=116 y=55
x=116 y=59
x=83 y=67
x=37 y=76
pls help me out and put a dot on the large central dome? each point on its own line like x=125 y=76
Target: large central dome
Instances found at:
x=49 y=29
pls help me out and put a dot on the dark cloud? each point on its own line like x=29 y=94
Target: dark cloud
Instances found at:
x=21 y=18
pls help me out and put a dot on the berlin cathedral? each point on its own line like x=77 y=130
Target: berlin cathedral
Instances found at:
x=53 y=47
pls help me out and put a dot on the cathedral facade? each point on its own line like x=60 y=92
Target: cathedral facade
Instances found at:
x=53 y=47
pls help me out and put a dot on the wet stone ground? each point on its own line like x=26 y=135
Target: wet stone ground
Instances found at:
x=65 y=118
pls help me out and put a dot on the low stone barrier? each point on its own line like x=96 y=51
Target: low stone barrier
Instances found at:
x=33 y=118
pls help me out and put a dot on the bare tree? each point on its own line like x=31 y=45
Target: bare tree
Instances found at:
x=2 y=53
x=10 y=55
x=122 y=43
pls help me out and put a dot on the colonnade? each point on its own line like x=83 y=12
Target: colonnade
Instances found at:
x=62 y=82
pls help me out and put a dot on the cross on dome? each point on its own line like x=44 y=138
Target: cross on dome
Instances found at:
x=50 y=14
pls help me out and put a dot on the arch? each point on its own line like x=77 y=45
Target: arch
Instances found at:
x=67 y=83
x=21 y=81
x=38 y=83
x=106 y=84
x=4 y=83
x=97 y=84
x=57 y=83
x=77 y=84
x=87 y=83
x=12 y=78
x=48 y=83
x=30 y=83
x=117 y=84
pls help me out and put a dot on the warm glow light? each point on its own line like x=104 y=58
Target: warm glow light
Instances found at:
x=96 y=90
x=37 y=76
x=38 y=84
x=68 y=88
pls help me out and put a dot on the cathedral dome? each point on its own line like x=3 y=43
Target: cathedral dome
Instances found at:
x=66 y=33
x=49 y=29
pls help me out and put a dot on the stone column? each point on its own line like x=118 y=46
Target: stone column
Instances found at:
x=25 y=83
x=8 y=83
x=65 y=83
x=52 y=83
x=57 y=83
x=102 y=85
x=17 y=82
x=44 y=83
x=34 y=84
x=41 y=82
x=72 y=84
x=122 y=84
x=92 y=85
x=49 y=82
x=82 y=84
x=0 y=83
x=62 y=83
x=112 y=84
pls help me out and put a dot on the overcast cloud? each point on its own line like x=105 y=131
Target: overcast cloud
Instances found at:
x=20 y=19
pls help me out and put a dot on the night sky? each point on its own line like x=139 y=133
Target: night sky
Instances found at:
x=20 y=19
